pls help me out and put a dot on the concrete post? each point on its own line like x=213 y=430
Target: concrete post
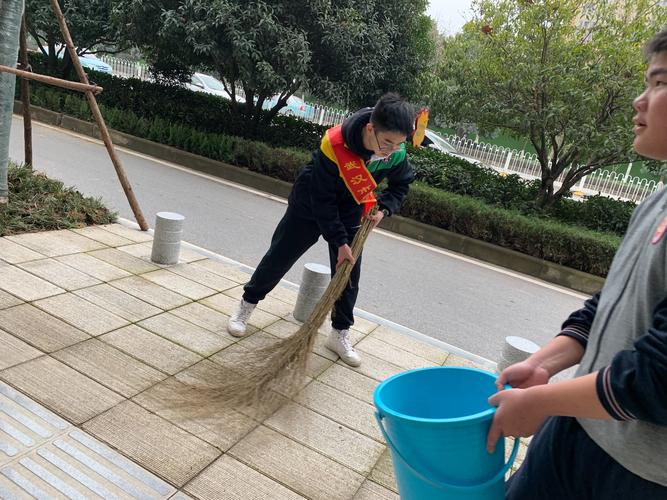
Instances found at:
x=167 y=238
x=515 y=350
x=314 y=281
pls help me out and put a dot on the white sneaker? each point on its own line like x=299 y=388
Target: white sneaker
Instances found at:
x=339 y=342
x=237 y=324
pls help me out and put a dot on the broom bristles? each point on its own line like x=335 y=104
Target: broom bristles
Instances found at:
x=269 y=373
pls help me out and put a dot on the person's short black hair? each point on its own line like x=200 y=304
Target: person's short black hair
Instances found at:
x=656 y=45
x=392 y=113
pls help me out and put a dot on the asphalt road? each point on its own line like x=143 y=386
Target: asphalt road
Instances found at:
x=466 y=303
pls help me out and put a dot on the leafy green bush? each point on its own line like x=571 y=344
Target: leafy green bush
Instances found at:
x=281 y=163
x=599 y=213
x=177 y=104
x=459 y=176
x=573 y=247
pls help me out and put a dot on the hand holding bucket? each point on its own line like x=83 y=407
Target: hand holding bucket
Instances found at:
x=435 y=422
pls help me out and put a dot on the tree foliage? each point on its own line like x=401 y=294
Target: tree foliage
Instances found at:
x=89 y=22
x=561 y=72
x=348 y=51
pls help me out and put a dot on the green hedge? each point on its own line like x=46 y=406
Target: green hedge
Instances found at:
x=195 y=109
x=570 y=246
x=456 y=175
x=585 y=250
x=281 y=163
x=598 y=213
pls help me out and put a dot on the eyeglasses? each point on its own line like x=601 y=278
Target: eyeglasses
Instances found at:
x=388 y=145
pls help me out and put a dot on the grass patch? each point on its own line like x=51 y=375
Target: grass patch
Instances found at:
x=37 y=203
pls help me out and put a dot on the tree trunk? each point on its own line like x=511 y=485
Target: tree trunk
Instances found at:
x=11 y=12
x=549 y=195
x=545 y=197
x=25 y=97
x=67 y=66
x=53 y=57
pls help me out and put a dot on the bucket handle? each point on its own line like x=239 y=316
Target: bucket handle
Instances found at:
x=438 y=484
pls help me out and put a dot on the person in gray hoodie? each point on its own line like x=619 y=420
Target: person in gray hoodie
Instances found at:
x=603 y=433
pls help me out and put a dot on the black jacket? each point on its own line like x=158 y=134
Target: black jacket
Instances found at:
x=320 y=193
x=635 y=384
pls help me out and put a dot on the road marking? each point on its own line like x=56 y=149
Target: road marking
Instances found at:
x=283 y=201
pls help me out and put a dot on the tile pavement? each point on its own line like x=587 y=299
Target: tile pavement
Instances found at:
x=96 y=341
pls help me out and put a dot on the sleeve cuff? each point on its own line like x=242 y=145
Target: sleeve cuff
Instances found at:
x=340 y=243
x=607 y=397
x=576 y=332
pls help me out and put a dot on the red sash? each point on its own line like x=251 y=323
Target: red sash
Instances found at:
x=351 y=168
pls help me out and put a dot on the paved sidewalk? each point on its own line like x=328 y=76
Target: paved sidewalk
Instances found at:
x=93 y=331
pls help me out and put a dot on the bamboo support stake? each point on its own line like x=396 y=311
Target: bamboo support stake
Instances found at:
x=25 y=96
x=129 y=193
x=50 y=80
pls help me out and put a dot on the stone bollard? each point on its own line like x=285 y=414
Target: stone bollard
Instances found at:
x=167 y=238
x=515 y=350
x=314 y=281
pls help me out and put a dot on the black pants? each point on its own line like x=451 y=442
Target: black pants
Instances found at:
x=563 y=463
x=293 y=236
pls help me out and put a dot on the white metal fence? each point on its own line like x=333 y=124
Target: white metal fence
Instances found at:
x=125 y=68
x=604 y=182
x=324 y=115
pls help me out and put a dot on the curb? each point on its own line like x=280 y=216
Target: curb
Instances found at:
x=503 y=257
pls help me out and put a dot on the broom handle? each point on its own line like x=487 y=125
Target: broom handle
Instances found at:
x=342 y=275
x=360 y=238
x=357 y=246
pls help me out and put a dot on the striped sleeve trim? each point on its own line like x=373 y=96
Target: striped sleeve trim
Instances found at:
x=607 y=397
x=576 y=332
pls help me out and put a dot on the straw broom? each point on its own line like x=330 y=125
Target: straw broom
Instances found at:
x=261 y=376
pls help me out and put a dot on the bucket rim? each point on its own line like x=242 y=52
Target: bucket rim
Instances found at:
x=383 y=409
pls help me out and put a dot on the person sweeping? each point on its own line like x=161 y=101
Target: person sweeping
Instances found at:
x=328 y=199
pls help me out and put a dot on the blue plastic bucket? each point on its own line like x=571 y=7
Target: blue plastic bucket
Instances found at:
x=435 y=422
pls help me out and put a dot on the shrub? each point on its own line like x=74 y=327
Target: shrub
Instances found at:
x=599 y=213
x=462 y=177
x=459 y=176
x=281 y=163
x=178 y=104
x=573 y=247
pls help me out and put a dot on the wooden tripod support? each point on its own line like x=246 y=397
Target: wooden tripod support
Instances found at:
x=90 y=91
